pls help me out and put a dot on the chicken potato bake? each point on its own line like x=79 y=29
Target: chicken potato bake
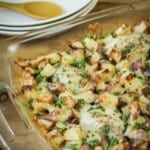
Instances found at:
x=95 y=96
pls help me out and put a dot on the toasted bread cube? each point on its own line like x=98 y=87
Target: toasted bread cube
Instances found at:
x=107 y=99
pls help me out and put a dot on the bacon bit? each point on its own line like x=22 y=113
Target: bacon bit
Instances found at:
x=137 y=64
x=121 y=104
x=146 y=91
x=26 y=88
x=129 y=77
x=95 y=28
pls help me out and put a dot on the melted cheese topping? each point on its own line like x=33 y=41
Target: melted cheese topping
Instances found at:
x=95 y=96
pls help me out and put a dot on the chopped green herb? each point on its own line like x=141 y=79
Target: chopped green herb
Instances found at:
x=79 y=64
x=147 y=77
x=128 y=48
x=74 y=146
x=37 y=71
x=85 y=76
x=102 y=36
x=58 y=102
x=90 y=35
x=140 y=77
x=117 y=93
x=116 y=111
x=62 y=130
x=147 y=64
x=69 y=82
x=30 y=100
x=145 y=40
x=96 y=107
x=104 y=50
x=112 y=142
x=146 y=128
x=80 y=101
x=83 y=43
x=125 y=119
x=40 y=78
x=105 y=129
x=55 y=78
x=115 y=45
x=58 y=64
x=138 y=125
x=113 y=34
x=92 y=142
x=98 y=91
x=63 y=126
x=103 y=44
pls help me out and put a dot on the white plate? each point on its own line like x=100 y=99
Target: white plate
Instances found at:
x=12 y=18
x=28 y=28
x=80 y=13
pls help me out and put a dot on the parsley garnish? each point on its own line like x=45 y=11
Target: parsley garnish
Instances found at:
x=139 y=125
x=40 y=78
x=105 y=129
x=85 y=76
x=112 y=142
x=116 y=93
x=102 y=36
x=147 y=64
x=113 y=34
x=79 y=64
x=63 y=127
x=55 y=78
x=96 y=107
x=98 y=91
x=128 y=48
x=30 y=100
x=90 y=35
x=74 y=146
x=92 y=142
x=125 y=119
x=58 y=102
x=80 y=101
x=104 y=50
x=58 y=64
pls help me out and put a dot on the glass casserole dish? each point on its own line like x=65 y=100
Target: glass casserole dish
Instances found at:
x=19 y=137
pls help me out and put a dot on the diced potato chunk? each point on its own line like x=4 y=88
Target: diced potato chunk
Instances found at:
x=48 y=71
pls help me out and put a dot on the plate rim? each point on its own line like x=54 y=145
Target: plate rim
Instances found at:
x=40 y=22
x=12 y=32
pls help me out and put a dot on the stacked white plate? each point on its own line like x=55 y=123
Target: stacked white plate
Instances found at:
x=14 y=23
